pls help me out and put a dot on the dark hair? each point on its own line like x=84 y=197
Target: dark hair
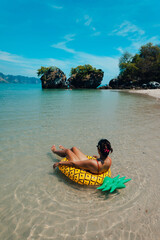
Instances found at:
x=104 y=147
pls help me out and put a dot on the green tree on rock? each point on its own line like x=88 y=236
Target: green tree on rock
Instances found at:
x=45 y=70
x=140 y=68
x=84 y=70
x=125 y=59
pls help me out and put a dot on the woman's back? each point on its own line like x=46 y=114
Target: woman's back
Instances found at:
x=103 y=165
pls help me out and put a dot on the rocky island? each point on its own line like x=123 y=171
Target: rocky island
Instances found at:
x=52 y=77
x=85 y=77
x=80 y=77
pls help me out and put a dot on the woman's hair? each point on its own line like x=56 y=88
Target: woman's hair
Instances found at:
x=104 y=147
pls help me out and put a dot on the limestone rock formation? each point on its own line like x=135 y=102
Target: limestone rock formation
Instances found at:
x=54 y=79
x=114 y=83
x=91 y=80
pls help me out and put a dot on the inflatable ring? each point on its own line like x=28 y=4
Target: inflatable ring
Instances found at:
x=83 y=177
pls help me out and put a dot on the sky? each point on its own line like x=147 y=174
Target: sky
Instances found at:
x=68 y=33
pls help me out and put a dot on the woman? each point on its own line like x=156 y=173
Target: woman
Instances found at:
x=77 y=159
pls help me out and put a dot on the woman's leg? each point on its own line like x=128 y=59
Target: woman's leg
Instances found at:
x=70 y=155
x=77 y=152
x=65 y=153
x=60 y=153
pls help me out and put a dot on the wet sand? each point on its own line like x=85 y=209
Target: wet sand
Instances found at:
x=150 y=92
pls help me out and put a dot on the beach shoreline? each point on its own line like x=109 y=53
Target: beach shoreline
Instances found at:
x=150 y=92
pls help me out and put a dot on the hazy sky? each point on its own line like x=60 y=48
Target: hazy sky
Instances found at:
x=68 y=33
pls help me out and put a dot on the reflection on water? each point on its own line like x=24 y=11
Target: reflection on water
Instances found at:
x=39 y=203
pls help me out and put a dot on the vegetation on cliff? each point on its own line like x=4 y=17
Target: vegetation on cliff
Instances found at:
x=84 y=70
x=46 y=70
x=140 y=69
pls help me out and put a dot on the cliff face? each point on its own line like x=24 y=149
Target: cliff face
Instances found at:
x=54 y=79
x=91 y=80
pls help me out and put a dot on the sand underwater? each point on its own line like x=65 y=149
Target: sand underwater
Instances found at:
x=39 y=203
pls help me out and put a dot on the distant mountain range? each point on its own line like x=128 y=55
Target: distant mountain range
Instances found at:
x=18 y=79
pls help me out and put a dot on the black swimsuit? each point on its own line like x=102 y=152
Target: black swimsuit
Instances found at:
x=101 y=160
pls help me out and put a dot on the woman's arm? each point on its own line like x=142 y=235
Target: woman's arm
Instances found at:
x=86 y=164
x=68 y=163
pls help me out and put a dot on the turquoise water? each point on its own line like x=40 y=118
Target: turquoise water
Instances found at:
x=39 y=203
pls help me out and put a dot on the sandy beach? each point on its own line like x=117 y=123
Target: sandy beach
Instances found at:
x=150 y=92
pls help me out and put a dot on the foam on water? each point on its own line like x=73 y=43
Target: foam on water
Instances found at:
x=39 y=203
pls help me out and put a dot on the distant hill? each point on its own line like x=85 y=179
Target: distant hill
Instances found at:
x=18 y=79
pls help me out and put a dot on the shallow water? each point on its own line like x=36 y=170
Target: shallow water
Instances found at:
x=39 y=203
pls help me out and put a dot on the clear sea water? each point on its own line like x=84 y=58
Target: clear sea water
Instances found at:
x=39 y=203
